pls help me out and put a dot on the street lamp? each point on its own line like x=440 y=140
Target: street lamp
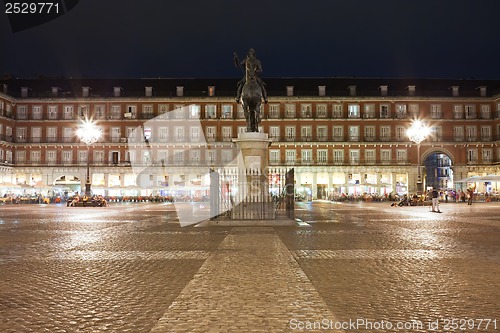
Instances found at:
x=88 y=133
x=417 y=133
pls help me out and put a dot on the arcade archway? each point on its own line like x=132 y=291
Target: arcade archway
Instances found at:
x=438 y=170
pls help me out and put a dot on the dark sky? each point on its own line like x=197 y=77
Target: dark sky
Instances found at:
x=307 y=38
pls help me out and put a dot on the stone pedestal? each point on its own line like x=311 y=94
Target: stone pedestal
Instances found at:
x=254 y=201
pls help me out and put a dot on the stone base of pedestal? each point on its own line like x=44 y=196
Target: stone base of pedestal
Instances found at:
x=226 y=222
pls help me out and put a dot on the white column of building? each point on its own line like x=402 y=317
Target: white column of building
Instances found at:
x=330 y=183
x=346 y=182
x=122 y=179
x=393 y=182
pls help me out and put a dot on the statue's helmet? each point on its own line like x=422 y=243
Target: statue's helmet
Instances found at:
x=251 y=52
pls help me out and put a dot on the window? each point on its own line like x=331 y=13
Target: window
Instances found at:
x=486 y=133
x=385 y=156
x=274 y=156
x=147 y=112
x=178 y=157
x=369 y=133
x=338 y=133
x=321 y=111
x=470 y=112
x=436 y=111
x=67 y=157
x=179 y=133
x=115 y=134
x=99 y=112
x=306 y=155
x=210 y=111
x=401 y=133
x=470 y=133
x=338 y=156
x=369 y=111
x=290 y=133
x=52 y=112
x=337 y=111
x=353 y=110
x=274 y=132
x=211 y=156
x=163 y=134
x=179 y=111
x=458 y=133
x=68 y=134
x=385 y=111
x=322 y=156
x=162 y=109
x=458 y=112
x=274 y=111
x=385 y=133
x=290 y=110
x=472 y=156
x=36 y=134
x=354 y=156
x=401 y=155
x=22 y=112
x=400 y=111
x=436 y=133
x=210 y=135
x=487 y=155
x=306 y=133
x=305 y=111
x=82 y=157
x=414 y=110
x=116 y=112
x=226 y=155
x=227 y=133
x=21 y=156
x=194 y=156
x=227 y=111
x=353 y=133
x=485 y=112
x=240 y=113
x=194 y=133
x=290 y=155
x=21 y=133
x=37 y=112
x=99 y=156
x=83 y=111
x=370 y=156
x=51 y=157
x=131 y=112
x=322 y=133
x=36 y=156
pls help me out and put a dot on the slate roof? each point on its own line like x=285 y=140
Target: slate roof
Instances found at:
x=226 y=87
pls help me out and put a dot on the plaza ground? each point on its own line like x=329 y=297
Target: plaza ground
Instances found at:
x=133 y=268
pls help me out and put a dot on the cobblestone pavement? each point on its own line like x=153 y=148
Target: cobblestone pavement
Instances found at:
x=132 y=268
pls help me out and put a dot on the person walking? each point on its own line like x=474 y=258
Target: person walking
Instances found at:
x=435 y=201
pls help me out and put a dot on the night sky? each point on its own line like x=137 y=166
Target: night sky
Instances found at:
x=308 y=38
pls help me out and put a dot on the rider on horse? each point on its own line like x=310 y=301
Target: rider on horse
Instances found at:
x=256 y=64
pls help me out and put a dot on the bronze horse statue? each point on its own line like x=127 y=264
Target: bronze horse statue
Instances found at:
x=251 y=90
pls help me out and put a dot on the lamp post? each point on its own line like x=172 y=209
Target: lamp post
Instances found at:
x=88 y=133
x=417 y=133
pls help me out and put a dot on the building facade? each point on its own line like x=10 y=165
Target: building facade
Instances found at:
x=342 y=136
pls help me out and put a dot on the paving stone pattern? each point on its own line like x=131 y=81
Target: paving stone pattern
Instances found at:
x=132 y=268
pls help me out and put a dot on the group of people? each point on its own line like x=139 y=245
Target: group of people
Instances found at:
x=95 y=201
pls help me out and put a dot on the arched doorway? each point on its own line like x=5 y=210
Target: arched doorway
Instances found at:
x=438 y=170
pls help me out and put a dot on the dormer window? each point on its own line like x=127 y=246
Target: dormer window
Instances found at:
x=179 y=92
x=85 y=91
x=289 y=90
x=411 y=90
x=482 y=91
x=24 y=91
x=321 y=90
x=148 y=91
x=352 y=90
x=383 y=90
x=117 y=91
x=55 y=91
x=454 y=91
x=211 y=91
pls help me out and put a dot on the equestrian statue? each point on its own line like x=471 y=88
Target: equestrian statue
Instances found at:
x=251 y=89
